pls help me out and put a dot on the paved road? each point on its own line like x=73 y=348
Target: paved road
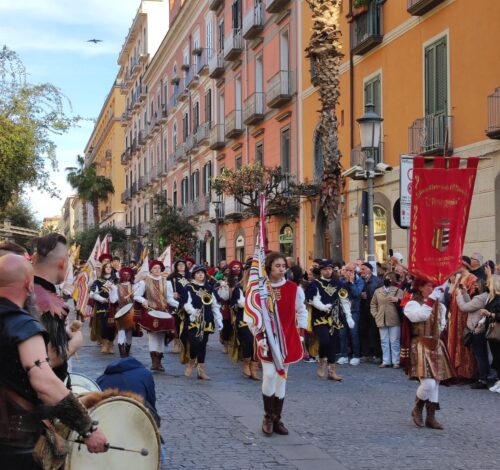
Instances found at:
x=360 y=423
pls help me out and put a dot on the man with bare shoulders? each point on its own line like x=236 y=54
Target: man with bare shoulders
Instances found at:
x=29 y=389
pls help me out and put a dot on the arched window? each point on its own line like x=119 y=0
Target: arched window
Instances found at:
x=318 y=158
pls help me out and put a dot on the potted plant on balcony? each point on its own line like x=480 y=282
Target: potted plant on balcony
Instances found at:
x=359 y=7
x=185 y=67
x=175 y=81
x=197 y=51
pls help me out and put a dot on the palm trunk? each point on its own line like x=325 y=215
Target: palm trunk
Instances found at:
x=95 y=206
x=85 y=215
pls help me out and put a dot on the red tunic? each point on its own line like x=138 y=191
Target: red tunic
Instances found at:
x=286 y=297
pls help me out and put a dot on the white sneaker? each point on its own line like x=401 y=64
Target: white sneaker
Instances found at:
x=496 y=387
x=354 y=361
x=342 y=360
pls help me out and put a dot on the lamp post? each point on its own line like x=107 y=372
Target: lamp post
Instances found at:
x=369 y=130
x=128 y=232
x=217 y=205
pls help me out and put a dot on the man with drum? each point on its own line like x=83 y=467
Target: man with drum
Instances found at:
x=176 y=282
x=202 y=316
x=124 y=317
x=29 y=389
x=151 y=293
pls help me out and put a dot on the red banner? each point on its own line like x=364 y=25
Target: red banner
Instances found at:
x=440 y=203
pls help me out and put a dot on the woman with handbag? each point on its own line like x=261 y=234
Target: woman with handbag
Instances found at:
x=491 y=313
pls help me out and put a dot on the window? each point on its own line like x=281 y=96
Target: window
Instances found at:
x=238 y=162
x=196 y=116
x=207 y=175
x=259 y=74
x=184 y=190
x=236 y=16
x=195 y=185
x=220 y=36
x=259 y=153
x=174 y=137
x=285 y=150
x=373 y=93
x=174 y=194
x=208 y=108
x=185 y=127
x=208 y=32
x=436 y=80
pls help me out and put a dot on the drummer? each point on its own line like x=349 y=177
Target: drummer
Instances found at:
x=202 y=316
x=151 y=293
x=176 y=282
x=125 y=297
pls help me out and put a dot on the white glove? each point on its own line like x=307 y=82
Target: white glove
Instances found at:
x=101 y=299
x=194 y=316
x=328 y=307
x=350 y=321
x=437 y=294
x=262 y=346
x=220 y=325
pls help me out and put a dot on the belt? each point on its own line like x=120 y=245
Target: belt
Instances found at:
x=23 y=429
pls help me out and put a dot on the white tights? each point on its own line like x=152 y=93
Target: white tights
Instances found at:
x=428 y=390
x=272 y=382
x=124 y=336
x=156 y=342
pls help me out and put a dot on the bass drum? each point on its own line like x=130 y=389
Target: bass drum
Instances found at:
x=126 y=423
x=82 y=384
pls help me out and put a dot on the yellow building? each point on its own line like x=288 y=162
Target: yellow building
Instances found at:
x=430 y=68
x=104 y=148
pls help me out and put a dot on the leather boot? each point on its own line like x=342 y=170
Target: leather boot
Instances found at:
x=430 y=420
x=189 y=367
x=176 y=346
x=322 y=368
x=109 y=349
x=267 y=422
x=254 y=370
x=127 y=349
x=278 y=426
x=332 y=374
x=416 y=413
x=246 y=368
x=122 y=349
x=154 y=360
x=104 y=346
x=160 y=366
x=225 y=348
x=202 y=375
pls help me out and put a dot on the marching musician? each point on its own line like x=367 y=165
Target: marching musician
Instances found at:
x=176 y=282
x=244 y=335
x=104 y=292
x=223 y=290
x=330 y=309
x=151 y=293
x=202 y=317
x=125 y=297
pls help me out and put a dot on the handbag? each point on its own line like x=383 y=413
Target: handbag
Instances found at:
x=467 y=337
x=493 y=331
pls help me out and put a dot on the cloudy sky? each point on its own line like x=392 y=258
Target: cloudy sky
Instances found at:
x=50 y=37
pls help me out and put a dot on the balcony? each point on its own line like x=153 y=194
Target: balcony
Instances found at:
x=216 y=140
x=134 y=148
x=183 y=94
x=214 y=5
x=125 y=119
x=136 y=68
x=134 y=188
x=232 y=210
x=430 y=134
x=366 y=30
x=187 y=209
x=275 y=6
x=493 y=131
x=125 y=157
x=143 y=93
x=233 y=45
x=234 y=124
x=202 y=61
x=421 y=7
x=154 y=174
x=216 y=65
x=279 y=89
x=254 y=108
x=202 y=133
x=190 y=143
x=164 y=113
x=126 y=195
x=253 y=22
x=203 y=206
x=174 y=99
x=192 y=79
x=180 y=152
x=141 y=138
x=143 y=58
x=172 y=161
x=142 y=182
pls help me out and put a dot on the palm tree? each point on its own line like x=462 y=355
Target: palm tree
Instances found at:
x=324 y=51
x=89 y=186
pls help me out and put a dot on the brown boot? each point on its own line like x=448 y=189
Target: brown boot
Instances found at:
x=267 y=422
x=109 y=349
x=246 y=368
x=122 y=350
x=254 y=370
x=160 y=366
x=332 y=374
x=176 y=346
x=430 y=420
x=202 y=375
x=189 y=368
x=104 y=346
x=154 y=360
x=416 y=413
x=225 y=348
x=322 y=368
x=278 y=426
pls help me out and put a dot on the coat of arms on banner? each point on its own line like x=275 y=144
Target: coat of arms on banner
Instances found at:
x=441 y=236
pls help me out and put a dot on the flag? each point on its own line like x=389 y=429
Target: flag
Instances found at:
x=260 y=304
x=166 y=258
x=67 y=285
x=104 y=248
x=93 y=260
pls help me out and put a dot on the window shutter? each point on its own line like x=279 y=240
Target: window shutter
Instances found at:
x=441 y=78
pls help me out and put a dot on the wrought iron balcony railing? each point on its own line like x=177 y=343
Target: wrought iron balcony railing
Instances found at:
x=430 y=135
x=254 y=108
x=216 y=65
x=233 y=45
x=421 y=7
x=279 y=89
x=234 y=124
x=493 y=131
x=217 y=139
x=253 y=22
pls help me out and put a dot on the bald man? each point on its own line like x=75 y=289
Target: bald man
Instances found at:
x=29 y=389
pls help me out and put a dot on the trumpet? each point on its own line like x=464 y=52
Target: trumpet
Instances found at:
x=205 y=296
x=343 y=294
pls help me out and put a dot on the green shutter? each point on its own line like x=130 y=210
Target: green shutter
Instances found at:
x=436 y=85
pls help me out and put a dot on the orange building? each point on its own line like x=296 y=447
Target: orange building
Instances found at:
x=430 y=69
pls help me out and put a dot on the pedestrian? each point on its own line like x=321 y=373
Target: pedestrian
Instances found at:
x=125 y=325
x=477 y=266
x=429 y=358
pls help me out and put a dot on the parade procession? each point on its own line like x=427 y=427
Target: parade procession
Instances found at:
x=249 y=234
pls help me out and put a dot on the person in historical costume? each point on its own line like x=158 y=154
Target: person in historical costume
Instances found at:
x=244 y=337
x=462 y=357
x=151 y=293
x=331 y=311
x=203 y=315
x=176 y=282
x=50 y=264
x=104 y=293
x=126 y=324
x=429 y=360
x=29 y=389
x=291 y=314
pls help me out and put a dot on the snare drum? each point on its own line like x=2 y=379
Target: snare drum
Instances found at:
x=156 y=321
x=82 y=384
x=125 y=317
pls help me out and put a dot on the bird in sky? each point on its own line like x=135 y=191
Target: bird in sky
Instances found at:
x=95 y=41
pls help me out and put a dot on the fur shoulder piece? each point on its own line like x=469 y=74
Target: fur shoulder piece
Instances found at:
x=48 y=302
x=89 y=400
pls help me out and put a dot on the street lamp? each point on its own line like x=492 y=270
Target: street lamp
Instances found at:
x=217 y=205
x=369 y=131
x=128 y=233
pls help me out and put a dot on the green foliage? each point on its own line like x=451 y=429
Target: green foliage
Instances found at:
x=173 y=229
x=87 y=238
x=360 y=3
x=20 y=214
x=29 y=116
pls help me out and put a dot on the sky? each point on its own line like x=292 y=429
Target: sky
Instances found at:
x=50 y=37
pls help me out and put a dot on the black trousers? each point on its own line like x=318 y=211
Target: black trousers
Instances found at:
x=369 y=335
x=225 y=334
x=197 y=345
x=495 y=352
x=107 y=332
x=246 y=339
x=480 y=348
x=17 y=461
x=329 y=344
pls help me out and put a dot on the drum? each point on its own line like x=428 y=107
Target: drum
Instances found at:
x=156 y=321
x=82 y=384
x=125 y=317
x=126 y=423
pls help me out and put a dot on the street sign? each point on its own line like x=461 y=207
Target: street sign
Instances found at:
x=405 y=182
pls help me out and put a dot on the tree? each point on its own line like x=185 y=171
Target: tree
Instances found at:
x=86 y=239
x=20 y=214
x=172 y=228
x=29 y=116
x=90 y=187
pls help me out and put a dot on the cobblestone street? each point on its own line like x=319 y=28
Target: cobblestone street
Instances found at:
x=363 y=422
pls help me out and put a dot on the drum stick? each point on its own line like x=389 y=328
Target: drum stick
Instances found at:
x=143 y=452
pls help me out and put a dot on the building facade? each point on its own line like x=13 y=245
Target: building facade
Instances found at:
x=68 y=218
